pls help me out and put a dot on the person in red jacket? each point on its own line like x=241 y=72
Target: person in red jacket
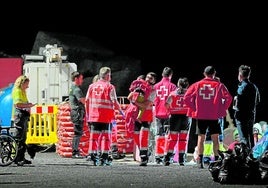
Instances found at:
x=139 y=91
x=179 y=123
x=142 y=127
x=208 y=100
x=162 y=114
x=101 y=103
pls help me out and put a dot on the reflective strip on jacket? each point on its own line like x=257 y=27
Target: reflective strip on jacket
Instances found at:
x=100 y=105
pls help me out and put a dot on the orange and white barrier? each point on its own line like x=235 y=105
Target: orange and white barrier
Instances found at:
x=66 y=133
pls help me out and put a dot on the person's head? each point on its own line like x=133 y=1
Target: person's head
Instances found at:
x=243 y=72
x=77 y=77
x=22 y=82
x=210 y=72
x=167 y=72
x=183 y=83
x=150 y=78
x=105 y=73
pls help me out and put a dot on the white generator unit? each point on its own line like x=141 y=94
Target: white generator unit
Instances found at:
x=50 y=77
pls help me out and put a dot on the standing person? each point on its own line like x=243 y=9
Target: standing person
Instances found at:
x=77 y=103
x=142 y=127
x=247 y=98
x=162 y=89
x=101 y=102
x=139 y=90
x=179 y=123
x=208 y=100
x=21 y=115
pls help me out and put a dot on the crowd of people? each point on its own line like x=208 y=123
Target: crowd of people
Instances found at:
x=173 y=106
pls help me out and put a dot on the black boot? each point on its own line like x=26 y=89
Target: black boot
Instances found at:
x=76 y=155
x=182 y=159
x=105 y=160
x=95 y=158
x=200 y=163
x=167 y=159
x=144 y=160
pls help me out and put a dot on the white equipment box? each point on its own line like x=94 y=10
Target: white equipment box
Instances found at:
x=49 y=82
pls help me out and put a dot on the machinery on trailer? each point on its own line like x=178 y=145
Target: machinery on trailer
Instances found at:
x=49 y=75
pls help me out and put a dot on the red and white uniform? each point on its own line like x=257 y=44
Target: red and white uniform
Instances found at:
x=176 y=102
x=100 y=111
x=162 y=114
x=162 y=89
x=179 y=125
x=208 y=99
x=99 y=102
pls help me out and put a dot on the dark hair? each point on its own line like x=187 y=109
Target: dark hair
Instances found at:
x=152 y=74
x=209 y=70
x=183 y=83
x=75 y=74
x=244 y=70
x=167 y=71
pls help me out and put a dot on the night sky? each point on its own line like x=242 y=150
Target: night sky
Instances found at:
x=186 y=42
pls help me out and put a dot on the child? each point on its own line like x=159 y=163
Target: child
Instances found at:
x=139 y=89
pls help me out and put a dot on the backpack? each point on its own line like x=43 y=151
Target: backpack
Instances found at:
x=236 y=166
x=264 y=166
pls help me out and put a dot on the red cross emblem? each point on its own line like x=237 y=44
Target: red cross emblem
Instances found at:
x=206 y=91
x=98 y=89
x=180 y=102
x=162 y=92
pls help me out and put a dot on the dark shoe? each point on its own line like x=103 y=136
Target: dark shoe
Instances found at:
x=77 y=156
x=96 y=162
x=200 y=165
x=144 y=161
x=27 y=161
x=182 y=159
x=166 y=160
x=94 y=158
x=166 y=163
x=20 y=163
x=159 y=160
x=105 y=162
x=206 y=160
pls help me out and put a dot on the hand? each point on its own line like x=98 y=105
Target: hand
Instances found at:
x=31 y=105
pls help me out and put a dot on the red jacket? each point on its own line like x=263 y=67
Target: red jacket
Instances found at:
x=162 y=89
x=208 y=99
x=99 y=104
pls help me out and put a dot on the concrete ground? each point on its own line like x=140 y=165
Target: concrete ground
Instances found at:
x=51 y=170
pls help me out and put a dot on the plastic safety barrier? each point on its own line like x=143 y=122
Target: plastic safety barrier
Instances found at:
x=42 y=126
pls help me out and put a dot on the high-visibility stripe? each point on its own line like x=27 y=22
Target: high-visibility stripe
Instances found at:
x=42 y=110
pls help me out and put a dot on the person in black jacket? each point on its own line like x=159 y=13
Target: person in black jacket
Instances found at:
x=245 y=102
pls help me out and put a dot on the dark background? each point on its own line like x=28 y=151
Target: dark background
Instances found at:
x=187 y=41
